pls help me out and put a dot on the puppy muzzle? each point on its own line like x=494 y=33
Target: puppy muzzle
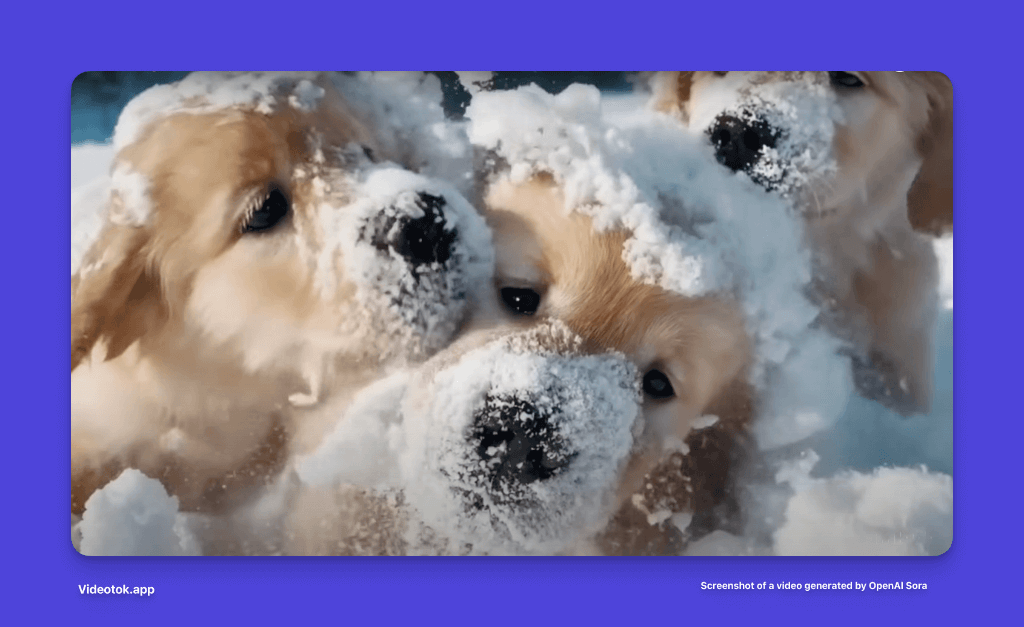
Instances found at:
x=415 y=250
x=523 y=446
x=779 y=134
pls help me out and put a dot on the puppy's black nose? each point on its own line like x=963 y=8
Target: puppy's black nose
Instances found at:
x=425 y=240
x=422 y=240
x=738 y=144
x=518 y=443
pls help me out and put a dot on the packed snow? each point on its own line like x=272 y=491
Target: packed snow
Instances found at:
x=696 y=227
x=889 y=511
x=134 y=515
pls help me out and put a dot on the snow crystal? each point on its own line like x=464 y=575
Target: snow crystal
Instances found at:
x=681 y=521
x=133 y=515
x=809 y=390
x=703 y=422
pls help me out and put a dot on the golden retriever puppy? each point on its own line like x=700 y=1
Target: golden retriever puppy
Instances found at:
x=867 y=157
x=261 y=258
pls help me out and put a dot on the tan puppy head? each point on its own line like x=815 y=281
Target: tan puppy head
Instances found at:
x=554 y=264
x=841 y=141
x=262 y=248
x=867 y=157
x=263 y=233
x=687 y=352
x=536 y=431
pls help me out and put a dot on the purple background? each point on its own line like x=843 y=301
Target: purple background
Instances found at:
x=43 y=570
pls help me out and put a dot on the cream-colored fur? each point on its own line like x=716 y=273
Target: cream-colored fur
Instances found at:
x=867 y=220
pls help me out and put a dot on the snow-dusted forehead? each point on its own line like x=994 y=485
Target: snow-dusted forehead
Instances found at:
x=694 y=230
x=565 y=135
x=403 y=109
x=207 y=92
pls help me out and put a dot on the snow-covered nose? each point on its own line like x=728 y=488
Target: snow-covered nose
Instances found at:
x=518 y=441
x=739 y=143
x=421 y=240
x=521 y=440
x=539 y=416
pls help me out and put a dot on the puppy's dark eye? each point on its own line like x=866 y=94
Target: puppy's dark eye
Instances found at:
x=844 y=79
x=273 y=209
x=520 y=301
x=719 y=74
x=657 y=385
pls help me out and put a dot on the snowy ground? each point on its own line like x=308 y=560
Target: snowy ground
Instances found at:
x=850 y=477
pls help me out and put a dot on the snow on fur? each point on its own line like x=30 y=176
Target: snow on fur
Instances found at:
x=805 y=108
x=421 y=307
x=696 y=229
x=404 y=106
x=205 y=92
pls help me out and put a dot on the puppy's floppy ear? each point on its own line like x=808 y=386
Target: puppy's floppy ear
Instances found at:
x=930 y=201
x=113 y=296
x=672 y=92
